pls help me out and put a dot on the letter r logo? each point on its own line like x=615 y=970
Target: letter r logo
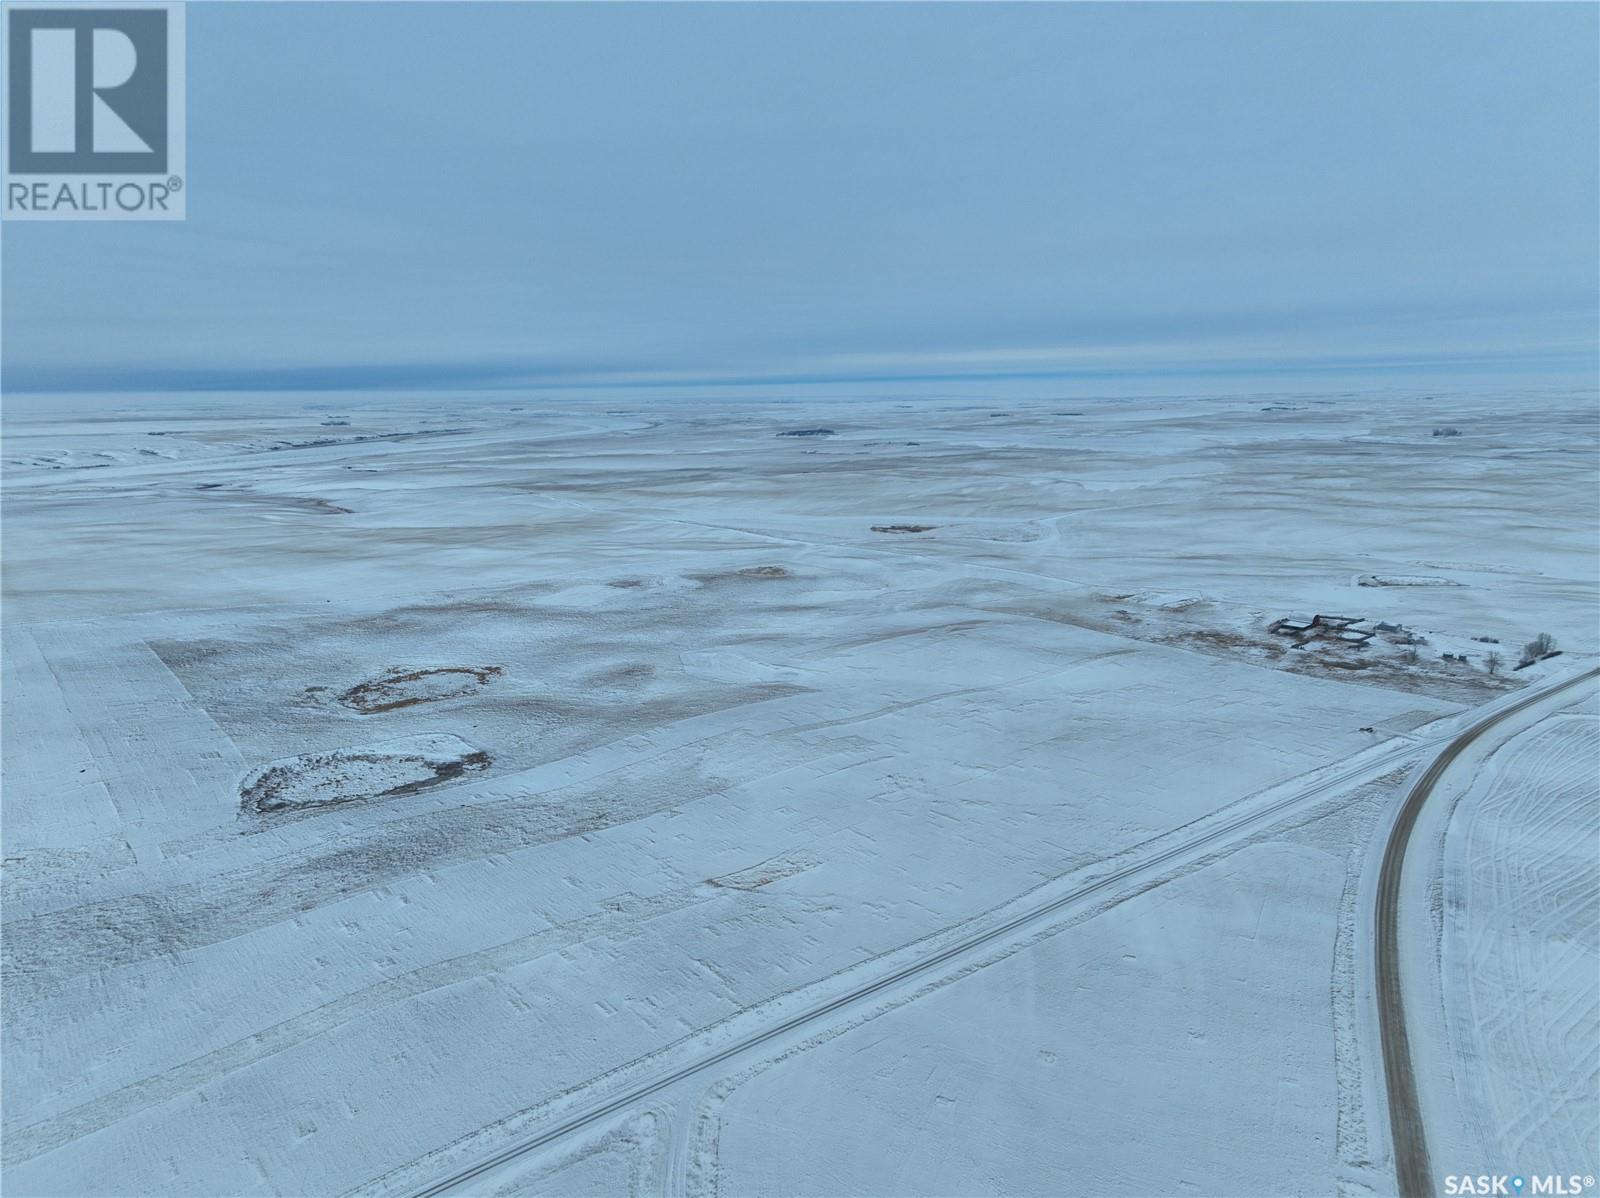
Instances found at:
x=87 y=91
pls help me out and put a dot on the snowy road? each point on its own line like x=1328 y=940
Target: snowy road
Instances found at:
x=1412 y=1166
x=1013 y=924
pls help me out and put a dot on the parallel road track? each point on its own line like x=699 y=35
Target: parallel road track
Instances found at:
x=1102 y=887
x=1189 y=849
x=1412 y=1168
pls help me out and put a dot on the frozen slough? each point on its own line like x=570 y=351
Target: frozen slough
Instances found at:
x=401 y=687
x=385 y=770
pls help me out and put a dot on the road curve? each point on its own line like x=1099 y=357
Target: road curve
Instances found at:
x=1189 y=849
x=1413 y=1171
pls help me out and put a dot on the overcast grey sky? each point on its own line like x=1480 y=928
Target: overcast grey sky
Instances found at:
x=485 y=194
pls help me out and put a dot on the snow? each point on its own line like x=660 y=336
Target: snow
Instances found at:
x=1017 y=1078
x=1522 y=901
x=1500 y=925
x=596 y=736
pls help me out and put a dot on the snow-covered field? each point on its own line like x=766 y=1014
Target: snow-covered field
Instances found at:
x=1505 y=893
x=1524 y=900
x=387 y=778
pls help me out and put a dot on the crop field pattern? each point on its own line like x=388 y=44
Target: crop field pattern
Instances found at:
x=386 y=779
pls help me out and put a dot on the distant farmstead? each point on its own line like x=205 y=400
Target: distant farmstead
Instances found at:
x=1323 y=627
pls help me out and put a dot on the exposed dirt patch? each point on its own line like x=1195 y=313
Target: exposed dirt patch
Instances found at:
x=904 y=527
x=747 y=574
x=808 y=432
x=1221 y=640
x=764 y=874
x=382 y=771
x=1460 y=687
x=407 y=688
x=244 y=495
x=322 y=506
x=630 y=675
x=1405 y=580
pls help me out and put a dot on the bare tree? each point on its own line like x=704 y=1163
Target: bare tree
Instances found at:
x=1492 y=661
x=1540 y=646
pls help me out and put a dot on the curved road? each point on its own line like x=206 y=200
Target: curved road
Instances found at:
x=1186 y=850
x=1388 y=983
x=1412 y=1168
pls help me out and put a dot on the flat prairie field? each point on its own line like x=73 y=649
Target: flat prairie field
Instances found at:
x=388 y=779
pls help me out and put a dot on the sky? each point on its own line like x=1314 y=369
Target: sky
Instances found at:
x=510 y=195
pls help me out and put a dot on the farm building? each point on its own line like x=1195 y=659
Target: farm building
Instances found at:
x=1321 y=627
x=1292 y=625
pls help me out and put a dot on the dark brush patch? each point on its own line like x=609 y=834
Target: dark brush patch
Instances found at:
x=388 y=692
x=265 y=794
